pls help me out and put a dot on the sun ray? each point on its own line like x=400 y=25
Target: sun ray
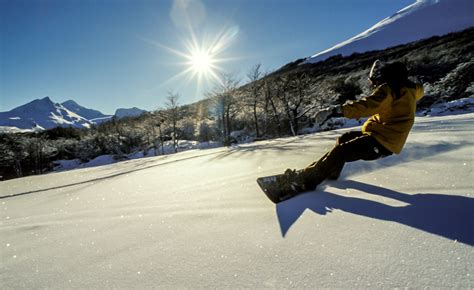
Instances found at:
x=198 y=85
x=229 y=59
x=177 y=76
x=223 y=40
x=156 y=43
x=216 y=77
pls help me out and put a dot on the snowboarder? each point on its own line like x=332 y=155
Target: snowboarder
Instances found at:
x=391 y=108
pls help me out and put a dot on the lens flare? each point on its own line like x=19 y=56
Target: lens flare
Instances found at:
x=202 y=60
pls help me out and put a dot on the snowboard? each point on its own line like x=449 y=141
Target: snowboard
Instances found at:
x=269 y=186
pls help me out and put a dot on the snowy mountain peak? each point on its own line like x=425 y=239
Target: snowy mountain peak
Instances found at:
x=42 y=113
x=46 y=99
x=420 y=20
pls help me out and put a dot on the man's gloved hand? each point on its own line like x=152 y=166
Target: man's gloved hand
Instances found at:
x=328 y=113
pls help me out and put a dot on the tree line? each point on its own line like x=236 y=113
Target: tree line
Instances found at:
x=264 y=107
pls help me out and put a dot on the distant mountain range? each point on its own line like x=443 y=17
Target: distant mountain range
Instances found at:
x=42 y=114
x=131 y=112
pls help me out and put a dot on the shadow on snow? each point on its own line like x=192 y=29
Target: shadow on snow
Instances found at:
x=143 y=165
x=448 y=216
x=414 y=151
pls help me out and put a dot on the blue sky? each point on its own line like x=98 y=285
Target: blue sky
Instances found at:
x=111 y=54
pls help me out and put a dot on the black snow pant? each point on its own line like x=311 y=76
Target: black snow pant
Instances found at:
x=350 y=146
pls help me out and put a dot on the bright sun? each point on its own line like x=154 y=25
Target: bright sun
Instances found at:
x=201 y=61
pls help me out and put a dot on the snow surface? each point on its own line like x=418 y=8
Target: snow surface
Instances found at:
x=420 y=20
x=198 y=219
x=168 y=148
x=459 y=106
x=101 y=120
x=10 y=129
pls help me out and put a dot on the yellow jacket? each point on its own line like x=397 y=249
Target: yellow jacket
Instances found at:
x=391 y=119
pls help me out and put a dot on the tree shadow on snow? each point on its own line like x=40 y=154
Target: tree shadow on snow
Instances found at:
x=139 y=166
x=296 y=144
x=448 y=216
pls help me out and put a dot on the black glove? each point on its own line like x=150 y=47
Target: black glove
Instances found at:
x=328 y=113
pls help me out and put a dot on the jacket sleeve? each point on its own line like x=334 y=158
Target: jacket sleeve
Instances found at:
x=368 y=106
x=420 y=91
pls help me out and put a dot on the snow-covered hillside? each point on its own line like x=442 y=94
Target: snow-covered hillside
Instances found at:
x=42 y=114
x=198 y=219
x=422 y=19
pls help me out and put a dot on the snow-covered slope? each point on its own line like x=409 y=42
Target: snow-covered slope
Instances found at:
x=129 y=112
x=84 y=112
x=423 y=19
x=43 y=114
x=198 y=219
x=101 y=120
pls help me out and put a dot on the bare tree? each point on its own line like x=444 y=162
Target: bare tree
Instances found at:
x=113 y=137
x=39 y=153
x=254 y=93
x=296 y=99
x=270 y=93
x=152 y=128
x=226 y=101
x=13 y=152
x=174 y=114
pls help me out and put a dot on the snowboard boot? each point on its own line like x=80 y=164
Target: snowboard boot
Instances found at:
x=334 y=175
x=291 y=183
